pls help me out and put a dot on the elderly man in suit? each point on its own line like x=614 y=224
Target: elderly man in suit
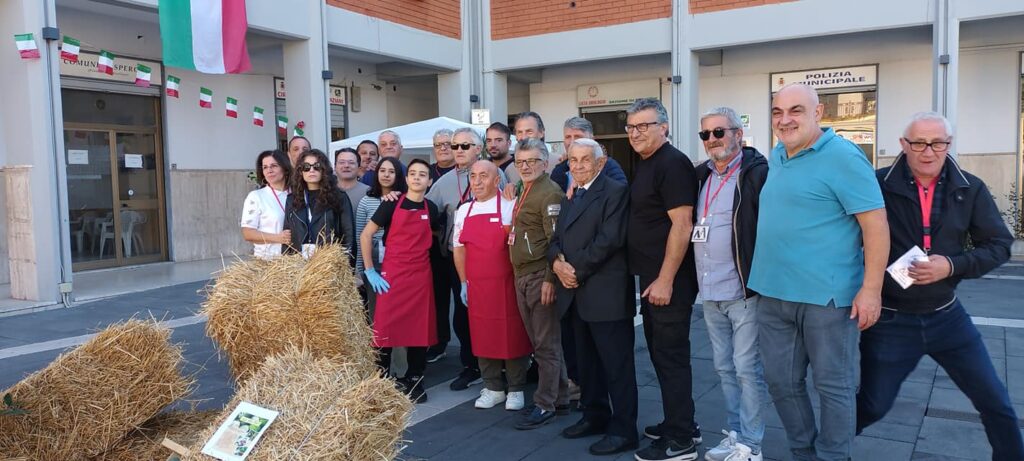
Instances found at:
x=588 y=255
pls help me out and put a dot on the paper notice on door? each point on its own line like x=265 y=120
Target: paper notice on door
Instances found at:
x=78 y=157
x=133 y=160
x=898 y=269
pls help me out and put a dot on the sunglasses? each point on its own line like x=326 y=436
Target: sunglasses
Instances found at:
x=463 y=146
x=718 y=132
x=305 y=167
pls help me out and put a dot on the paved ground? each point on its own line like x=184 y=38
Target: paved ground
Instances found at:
x=932 y=420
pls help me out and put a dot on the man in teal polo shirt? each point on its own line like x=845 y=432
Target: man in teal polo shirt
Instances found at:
x=822 y=246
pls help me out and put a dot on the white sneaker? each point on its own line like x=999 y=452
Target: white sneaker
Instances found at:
x=724 y=448
x=489 y=398
x=741 y=452
x=516 y=401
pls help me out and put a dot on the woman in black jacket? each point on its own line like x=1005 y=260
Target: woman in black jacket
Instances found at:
x=318 y=212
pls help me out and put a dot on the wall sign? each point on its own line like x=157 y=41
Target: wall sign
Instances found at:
x=337 y=95
x=837 y=77
x=619 y=93
x=124 y=69
x=279 y=88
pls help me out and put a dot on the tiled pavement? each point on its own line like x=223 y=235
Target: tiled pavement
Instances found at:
x=931 y=420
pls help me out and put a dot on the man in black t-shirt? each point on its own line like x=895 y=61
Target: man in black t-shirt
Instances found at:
x=663 y=193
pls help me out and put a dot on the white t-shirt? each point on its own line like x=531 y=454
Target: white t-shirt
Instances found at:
x=485 y=207
x=265 y=214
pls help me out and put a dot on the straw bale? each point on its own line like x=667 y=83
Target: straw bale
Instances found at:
x=257 y=308
x=143 y=443
x=328 y=410
x=89 y=398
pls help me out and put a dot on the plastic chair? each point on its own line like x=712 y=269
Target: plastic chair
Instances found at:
x=130 y=235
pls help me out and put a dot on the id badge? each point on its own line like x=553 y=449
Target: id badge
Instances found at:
x=700 y=234
x=307 y=250
x=511 y=238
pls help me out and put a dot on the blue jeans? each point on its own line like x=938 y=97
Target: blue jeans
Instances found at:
x=732 y=327
x=892 y=347
x=793 y=336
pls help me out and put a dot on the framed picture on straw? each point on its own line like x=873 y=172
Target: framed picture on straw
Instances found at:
x=239 y=434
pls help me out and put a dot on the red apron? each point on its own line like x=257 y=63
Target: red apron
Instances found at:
x=495 y=325
x=405 y=315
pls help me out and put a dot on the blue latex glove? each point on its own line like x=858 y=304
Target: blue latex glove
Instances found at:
x=380 y=286
x=465 y=296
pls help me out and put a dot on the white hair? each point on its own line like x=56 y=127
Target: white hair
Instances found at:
x=727 y=112
x=392 y=133
x=928 y=116
x=443 y=132
x=594 y=146
x=471 y=132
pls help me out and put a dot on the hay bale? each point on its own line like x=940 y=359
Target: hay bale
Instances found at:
x=89 y=398
x=257 y=308
x=329 y=410
x=143 y=443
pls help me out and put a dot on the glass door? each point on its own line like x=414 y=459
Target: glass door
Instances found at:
x=852 y=115
x=610 y=132
x=90 y=198
x=138 y=197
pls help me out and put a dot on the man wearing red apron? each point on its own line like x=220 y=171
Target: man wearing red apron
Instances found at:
x=480 y=239
x=405 y=314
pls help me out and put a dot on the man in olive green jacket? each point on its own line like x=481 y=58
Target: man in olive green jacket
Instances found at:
x=533 y=224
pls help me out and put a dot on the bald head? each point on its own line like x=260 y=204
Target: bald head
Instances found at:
x=796 y=114
x=484 y=179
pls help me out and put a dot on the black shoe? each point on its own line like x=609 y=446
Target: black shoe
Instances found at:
x=433 y=355
x=654 y=433
x=584 y=428
x=535 y=419
x=697 y=439
x=466 y=378
x=611 y=444
x=413 y=387
x=664 y=449
x=562 y=410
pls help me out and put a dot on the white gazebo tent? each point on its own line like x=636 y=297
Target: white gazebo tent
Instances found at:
x=417 y=138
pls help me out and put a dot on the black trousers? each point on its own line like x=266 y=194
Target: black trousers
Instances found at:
x=460 y=319
x=569 y=346
x=443 y=292
x=607 y=374
x=416 y=356
x=669 y=345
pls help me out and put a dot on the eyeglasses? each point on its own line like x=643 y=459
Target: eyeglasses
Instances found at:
x=530 y=162
x=439 y=145
x=718 y=132
x=641 y=127
x=937 y=146
x=463 y=146
x=305 y=167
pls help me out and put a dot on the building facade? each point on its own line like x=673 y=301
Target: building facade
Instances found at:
x=99 y=172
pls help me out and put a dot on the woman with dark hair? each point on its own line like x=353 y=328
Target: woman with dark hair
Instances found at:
x=318 y=212
x=387 y=178
x=264 y=209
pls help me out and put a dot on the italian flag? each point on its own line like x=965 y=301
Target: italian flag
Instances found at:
x=143 y=75
x=204 y=35
x=105 y=63
x=69 y=49
x=231 y=107
x=172 y=86
x=257 y=116
x=205 y=97
x=282 y=124
x=26 y=46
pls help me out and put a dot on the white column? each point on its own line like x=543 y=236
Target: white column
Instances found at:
x=946 y=61
x=454 y=88
x=495 y=96
x=685 y=64
x=307 y=90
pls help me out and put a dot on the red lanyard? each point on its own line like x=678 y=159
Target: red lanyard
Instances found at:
x=926 y=199
x=458 y=183
x=519 y=205
x=708 y=198
x=274 y=193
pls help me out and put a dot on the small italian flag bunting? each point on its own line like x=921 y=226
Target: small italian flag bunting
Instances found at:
x=205 y=97
x=26 y=46
x=143 y=75
x=282 y=124
x=231 y=107
x=105 y=64
x=257 y=116
x=298 y=129
x=172 y=86
x=69 y=49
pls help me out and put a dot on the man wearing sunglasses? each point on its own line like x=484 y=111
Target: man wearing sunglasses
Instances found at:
x=723 y=246
x=448 y=192
x=935 y=206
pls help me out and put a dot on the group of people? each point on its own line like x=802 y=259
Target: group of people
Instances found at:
x=789 y=254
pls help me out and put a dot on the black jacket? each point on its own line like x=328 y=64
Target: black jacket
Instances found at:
x=746 y=203
x=591 y=233
x=328 y=226
x=963 y=207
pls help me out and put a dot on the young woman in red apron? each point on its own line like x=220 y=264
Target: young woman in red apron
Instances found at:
x=405 y=314
x=495 y=325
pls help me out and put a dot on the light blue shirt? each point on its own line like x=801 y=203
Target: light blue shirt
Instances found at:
x=809 y=244
x=716 y=266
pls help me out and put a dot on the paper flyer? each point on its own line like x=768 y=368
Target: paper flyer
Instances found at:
x=898 y=269
x=235 y=439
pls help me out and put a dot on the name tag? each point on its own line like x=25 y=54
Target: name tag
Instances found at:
x=495 y=220
x=424 y=217
x=553 y=210
x=700 y=234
